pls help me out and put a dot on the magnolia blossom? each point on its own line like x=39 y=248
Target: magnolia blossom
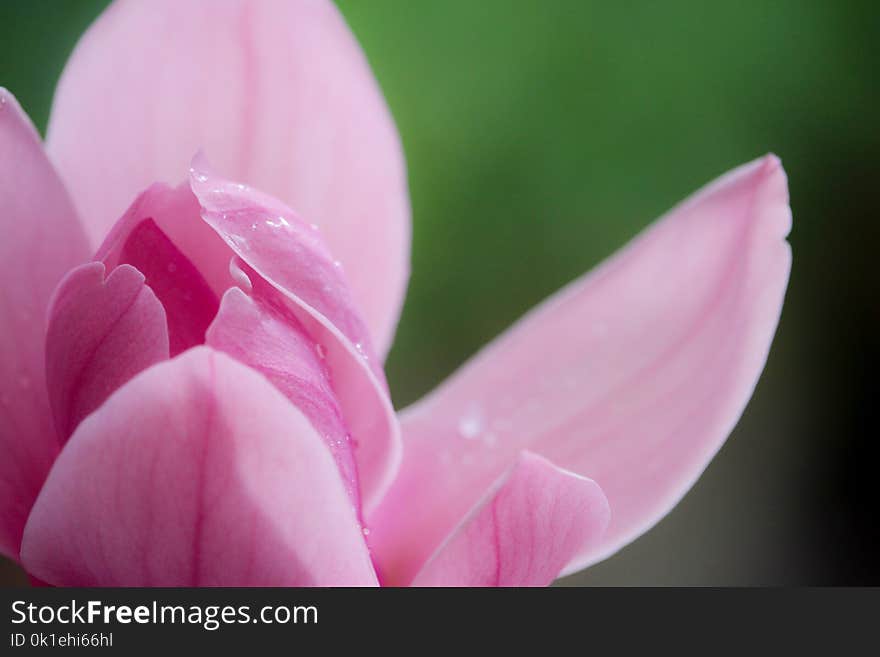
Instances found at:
x=193 y=391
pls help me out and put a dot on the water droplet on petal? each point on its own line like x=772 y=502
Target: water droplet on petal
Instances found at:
x=471 y=424
x=366 y=531
x=201 y=177
x=360 y=349
x=278 y=223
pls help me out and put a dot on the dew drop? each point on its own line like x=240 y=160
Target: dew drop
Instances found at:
x=471 y=425
x=366 y=531
x=201 y=177
x=360 y=349
x=278 y=223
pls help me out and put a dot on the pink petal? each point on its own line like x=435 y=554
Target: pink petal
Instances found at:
x=41 y=240
x=187 y=285
x=538 y=518
x=632 y=376
x=196 y=472
x=278 y=247
x=101 y=333
x=177 y=213
x=270 y=339
x=280 y=95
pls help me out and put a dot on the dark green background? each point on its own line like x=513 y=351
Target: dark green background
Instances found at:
x=542 y=135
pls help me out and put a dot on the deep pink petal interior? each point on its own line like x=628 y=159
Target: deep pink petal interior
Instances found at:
x=190 y=304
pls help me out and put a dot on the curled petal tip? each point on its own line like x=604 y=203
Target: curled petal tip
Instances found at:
x=199 y=168
x=774 y=178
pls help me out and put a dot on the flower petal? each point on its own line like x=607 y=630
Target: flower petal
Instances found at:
x=632 y=376
x=101 y=333
x=151 y=236
x=41 y=240
x=280 y=95
x=196 y=472
x=269 y=338
x=538 y=518
x=177 y=214
x=276 y=246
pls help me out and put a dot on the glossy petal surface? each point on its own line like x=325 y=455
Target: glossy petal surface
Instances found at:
x=198 y=472
x=289 y=264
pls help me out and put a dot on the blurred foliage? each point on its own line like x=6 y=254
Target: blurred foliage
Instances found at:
x=541 y=135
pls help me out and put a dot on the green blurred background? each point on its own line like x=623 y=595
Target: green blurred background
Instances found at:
x=542 y=135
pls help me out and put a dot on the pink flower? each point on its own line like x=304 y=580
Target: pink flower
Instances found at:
x=202 y=400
